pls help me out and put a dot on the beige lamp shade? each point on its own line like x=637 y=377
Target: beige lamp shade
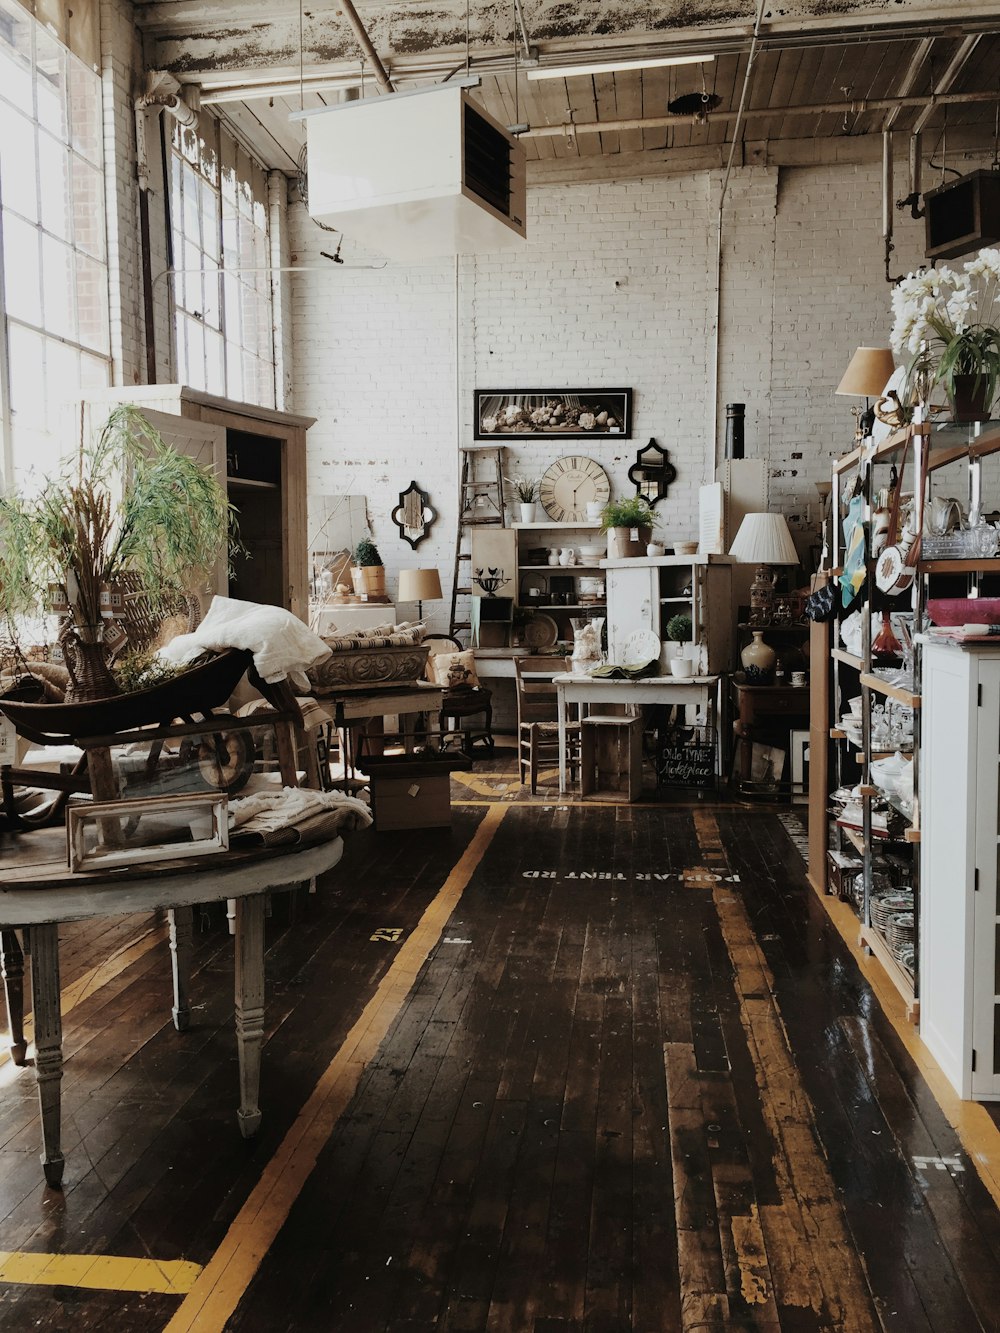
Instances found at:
x=419 y=585
x=867 y=373
x=764 y=539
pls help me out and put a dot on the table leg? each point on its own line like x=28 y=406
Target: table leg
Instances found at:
x=12 y=971
x=181 y=921
x=44 y=942
x=249 y=1007
x=561 y=713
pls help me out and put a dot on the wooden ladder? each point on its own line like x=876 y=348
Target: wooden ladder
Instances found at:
x=480 y=504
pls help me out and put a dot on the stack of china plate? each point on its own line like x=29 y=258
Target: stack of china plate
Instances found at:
x=899 y=933
x=887 y=904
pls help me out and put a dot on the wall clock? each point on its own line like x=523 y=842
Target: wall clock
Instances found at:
x=652 y=472
x=569 y=485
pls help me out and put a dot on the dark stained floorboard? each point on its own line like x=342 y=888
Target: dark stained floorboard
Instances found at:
x=512 y=1158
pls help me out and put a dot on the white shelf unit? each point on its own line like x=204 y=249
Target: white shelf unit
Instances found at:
x=645 y=593
x=532 y=535
x=959 y=874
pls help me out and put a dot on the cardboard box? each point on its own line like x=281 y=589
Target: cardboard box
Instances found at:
x=411 y=791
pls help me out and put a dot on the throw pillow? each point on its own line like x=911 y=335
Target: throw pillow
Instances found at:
x=454 y=670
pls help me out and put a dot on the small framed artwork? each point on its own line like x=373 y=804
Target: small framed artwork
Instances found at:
x=575 y=414
x=104 y=834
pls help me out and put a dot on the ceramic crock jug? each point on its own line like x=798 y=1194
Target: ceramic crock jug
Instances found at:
x=567 y=556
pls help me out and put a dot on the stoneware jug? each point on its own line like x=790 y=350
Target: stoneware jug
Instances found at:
x=567 y=556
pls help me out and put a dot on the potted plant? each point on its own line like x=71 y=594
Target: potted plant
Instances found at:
x=678 y=629
x=947 y=322
x=368 y=572
x=128 y=513
x=525 y=489
x=629 y=524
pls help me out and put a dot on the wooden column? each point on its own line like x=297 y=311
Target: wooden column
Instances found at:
x=181 y=919
x=44 y=944
x=249 y=1007
x=12 y=971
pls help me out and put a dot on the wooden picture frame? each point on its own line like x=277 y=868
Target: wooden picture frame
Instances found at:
x=530 y=414
x=102 y=834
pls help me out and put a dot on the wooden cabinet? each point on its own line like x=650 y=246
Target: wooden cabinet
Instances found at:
x=262 y=454
x=644 y=594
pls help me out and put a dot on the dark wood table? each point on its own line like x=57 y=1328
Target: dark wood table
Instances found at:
x=762 y=711
x=38 y=893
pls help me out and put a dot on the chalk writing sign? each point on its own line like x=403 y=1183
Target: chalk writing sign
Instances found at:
x=691 y=765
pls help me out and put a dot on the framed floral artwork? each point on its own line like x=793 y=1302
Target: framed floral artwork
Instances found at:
x=573 y=414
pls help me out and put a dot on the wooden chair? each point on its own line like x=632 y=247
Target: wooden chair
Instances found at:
x=537 y=725
x=463 y=702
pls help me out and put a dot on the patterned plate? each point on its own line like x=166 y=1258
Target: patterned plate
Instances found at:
x=541 y=631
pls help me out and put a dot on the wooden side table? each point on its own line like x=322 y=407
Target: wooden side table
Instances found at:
x=763 y=712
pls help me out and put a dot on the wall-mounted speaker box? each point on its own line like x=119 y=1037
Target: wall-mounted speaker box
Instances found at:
x=963 y=215
x=417 y=175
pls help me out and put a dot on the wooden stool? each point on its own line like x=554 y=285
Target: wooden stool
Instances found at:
x=611 y=756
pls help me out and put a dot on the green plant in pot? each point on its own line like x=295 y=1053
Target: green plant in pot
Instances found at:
x=620 y=519
x=678 y=630
x=948 y=324
x=126 y=509
x=367 y=571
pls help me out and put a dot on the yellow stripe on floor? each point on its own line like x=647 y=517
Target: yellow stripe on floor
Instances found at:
x=78 y=991
x=219 y=1288
x=106 y=1272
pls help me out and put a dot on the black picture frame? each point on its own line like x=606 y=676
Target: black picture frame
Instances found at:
x=652 y=472
x=532 y=414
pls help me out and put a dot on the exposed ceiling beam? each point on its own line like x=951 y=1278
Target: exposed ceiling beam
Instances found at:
x=910 y=76
x=947 y=78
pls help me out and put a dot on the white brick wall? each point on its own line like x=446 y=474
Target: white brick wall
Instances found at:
x=616 y=287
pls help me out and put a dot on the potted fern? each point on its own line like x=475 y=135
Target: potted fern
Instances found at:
x=126 y=510
x=525 y=489
x=368 y=572
x=629 y=524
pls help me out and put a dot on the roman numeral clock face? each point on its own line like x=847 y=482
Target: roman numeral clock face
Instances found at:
x=569 y=485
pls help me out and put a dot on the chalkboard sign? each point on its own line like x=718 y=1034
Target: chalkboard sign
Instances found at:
x=691 y=765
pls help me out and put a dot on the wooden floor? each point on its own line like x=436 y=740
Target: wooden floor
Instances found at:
x=611 y=1069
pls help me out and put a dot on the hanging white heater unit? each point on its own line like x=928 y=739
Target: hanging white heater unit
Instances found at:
x=417 y=175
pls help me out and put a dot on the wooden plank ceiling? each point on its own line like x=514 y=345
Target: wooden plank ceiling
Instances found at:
x=802 y=65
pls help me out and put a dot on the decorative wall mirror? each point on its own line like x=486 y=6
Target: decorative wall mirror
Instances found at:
x=413 y=515
x=652 y=472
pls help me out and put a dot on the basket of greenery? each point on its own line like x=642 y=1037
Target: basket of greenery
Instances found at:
x=128 y=511
x=629 y=524
x=368 y=572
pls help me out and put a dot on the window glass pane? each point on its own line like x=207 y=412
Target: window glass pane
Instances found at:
x=95 y=372
x=215 y=368
x=193 y=264
x=87 y=202
x=92 y=304
x=190 y=146
x=58 y=306
x=53 y=167
x=213 y=296
x=27 y=375
x=17 y=162
x=85 y=112
x=50 y=82
x=21 y=272
x=234 y=320
x=191 y=216
x=210 y=220
x=15 y=56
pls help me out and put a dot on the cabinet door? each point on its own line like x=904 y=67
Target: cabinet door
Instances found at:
x=633 y=603
x=986 y=957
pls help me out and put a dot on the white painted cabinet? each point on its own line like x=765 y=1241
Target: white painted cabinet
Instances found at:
x=644 y=594
x=959 y=854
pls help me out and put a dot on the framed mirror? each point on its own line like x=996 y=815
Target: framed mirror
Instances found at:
x=414 y=515
x=652 y=472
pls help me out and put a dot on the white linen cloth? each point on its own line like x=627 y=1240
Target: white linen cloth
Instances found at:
x=281 y=645
x=266 y=811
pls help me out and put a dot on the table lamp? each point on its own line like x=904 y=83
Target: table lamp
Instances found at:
x=419 y=585
x=866 y=376
x=763 y=540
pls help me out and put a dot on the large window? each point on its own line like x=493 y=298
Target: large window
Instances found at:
x=54 y=295
x=222 y=289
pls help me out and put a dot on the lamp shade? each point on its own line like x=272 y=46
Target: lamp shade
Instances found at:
x=419 y=585
x=764 y=539
x=868 y=372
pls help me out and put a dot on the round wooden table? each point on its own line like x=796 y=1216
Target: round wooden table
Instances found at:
x=38 y=893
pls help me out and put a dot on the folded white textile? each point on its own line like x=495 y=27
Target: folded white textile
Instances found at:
x=281 y=645
x=268 y=810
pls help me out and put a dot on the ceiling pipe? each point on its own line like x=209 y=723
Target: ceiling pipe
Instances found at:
x=365 y=42
x=951 y=73
x=858 y=108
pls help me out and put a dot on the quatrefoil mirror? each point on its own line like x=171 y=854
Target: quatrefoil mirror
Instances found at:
x=652 y=472
x=414 y=515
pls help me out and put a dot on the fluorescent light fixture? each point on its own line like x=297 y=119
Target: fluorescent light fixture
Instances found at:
x=613 y=66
